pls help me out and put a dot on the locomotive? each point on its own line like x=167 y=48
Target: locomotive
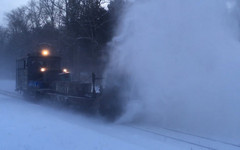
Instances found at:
x=40 y=75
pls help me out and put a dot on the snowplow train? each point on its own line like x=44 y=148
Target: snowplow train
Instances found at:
x=39 y=75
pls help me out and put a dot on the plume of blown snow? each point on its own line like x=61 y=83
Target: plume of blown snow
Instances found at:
x=182 y=62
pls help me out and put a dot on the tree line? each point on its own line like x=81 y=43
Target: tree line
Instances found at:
x=77 y=30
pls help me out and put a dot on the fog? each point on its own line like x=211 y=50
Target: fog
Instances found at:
x=181 y=60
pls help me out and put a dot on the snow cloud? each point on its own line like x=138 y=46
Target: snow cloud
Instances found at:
x=182 y=62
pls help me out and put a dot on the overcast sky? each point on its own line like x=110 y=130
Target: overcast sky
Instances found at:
x=7 y=5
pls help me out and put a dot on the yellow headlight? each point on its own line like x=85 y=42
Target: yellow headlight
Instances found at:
x=43 y=69
x=65 y=70
x=45 y=52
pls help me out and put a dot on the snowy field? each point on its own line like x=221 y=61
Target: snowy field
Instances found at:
x=7 y=85
x=28 y=126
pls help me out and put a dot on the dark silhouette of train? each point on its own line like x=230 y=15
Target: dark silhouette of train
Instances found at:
x=40 y=75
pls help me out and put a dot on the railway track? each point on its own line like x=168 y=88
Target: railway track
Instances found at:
x=202 y=137
x=11 y=94
x=191 y=139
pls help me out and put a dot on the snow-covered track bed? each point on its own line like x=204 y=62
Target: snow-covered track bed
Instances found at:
x=191 y=139
x=194 y=141
x=11 y=94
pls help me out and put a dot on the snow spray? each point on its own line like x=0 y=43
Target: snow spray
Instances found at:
x=182 y=63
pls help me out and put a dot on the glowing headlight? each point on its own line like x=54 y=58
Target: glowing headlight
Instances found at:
x=43 y=69
x=65 y=70
x=45 y=52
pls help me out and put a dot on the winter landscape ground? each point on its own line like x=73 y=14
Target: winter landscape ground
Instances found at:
x=28 y=126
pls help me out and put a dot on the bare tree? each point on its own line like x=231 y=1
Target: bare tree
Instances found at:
x=18 y=21
x=52 y=11
x=35 y=14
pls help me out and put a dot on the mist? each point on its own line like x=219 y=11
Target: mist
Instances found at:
x=181 y=61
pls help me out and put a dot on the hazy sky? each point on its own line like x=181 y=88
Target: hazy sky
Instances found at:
x=7 y=5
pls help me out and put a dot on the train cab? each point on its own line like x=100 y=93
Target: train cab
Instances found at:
x=37 y=71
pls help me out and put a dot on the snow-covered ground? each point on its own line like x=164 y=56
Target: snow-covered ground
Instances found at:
x=7 y=85
x=28 y=126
